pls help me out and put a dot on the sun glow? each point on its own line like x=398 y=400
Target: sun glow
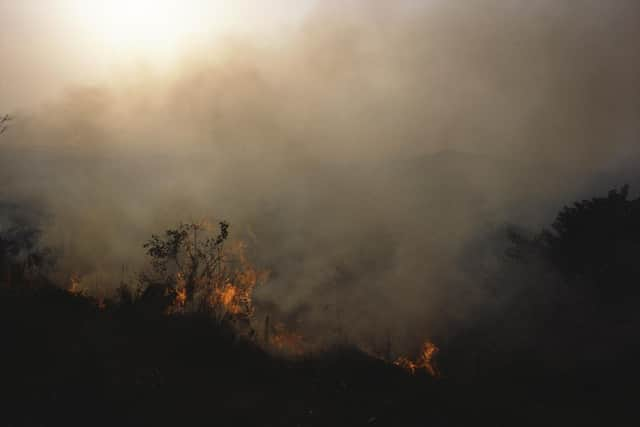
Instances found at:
x=148 y=28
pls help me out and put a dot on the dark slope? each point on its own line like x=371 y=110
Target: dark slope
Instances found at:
x=67 y=362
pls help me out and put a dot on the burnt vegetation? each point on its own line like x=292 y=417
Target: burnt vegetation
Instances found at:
x=561 y=351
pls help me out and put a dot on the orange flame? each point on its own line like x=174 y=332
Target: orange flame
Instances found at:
x=426 y=360
x=74 y=284
x=181 y=297
x=232 y=299
x=232 y=290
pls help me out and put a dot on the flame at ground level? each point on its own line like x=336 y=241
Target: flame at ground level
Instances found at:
x=426 y=360
x=229 y=294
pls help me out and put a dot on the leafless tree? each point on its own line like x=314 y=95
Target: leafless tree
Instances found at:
x=4 y=123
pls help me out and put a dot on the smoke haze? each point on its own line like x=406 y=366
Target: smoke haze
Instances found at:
x=370 y=157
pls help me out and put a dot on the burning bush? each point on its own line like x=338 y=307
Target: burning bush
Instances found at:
x=196 y=271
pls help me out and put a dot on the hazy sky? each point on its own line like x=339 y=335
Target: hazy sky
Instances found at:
x=47 y=44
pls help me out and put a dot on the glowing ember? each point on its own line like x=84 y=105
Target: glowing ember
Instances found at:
x=287 y=342
x=74 y=284
x=180 y=297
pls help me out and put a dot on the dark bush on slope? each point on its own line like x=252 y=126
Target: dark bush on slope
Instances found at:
x=561 y=358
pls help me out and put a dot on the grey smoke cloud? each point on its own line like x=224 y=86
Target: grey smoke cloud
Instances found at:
x=365 y=158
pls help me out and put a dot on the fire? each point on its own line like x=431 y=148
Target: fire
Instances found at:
x=232 y=299
x=425 y=360
x=227 y=297
x=287 y=342
x=226 y=291
x=74 y=284
x=233 y=288
x=180 y=297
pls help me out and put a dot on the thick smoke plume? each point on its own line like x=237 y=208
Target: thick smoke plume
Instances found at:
x=370 y=159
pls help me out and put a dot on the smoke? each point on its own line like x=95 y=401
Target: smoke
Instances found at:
x=366 y=157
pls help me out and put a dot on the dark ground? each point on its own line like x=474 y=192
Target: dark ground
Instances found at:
x=562 y=352
x=67 y=362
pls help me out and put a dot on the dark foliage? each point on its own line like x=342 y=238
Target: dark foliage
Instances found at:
x=189 y=252
x=22 y=258
x=597 y=241
x=68 y=362
x=559 y=356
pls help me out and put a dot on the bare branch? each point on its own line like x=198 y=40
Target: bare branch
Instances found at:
x=4 y=123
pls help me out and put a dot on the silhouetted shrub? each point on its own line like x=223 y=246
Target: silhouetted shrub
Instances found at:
x=597 y=241
x=184 y=259
x=22 y=257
